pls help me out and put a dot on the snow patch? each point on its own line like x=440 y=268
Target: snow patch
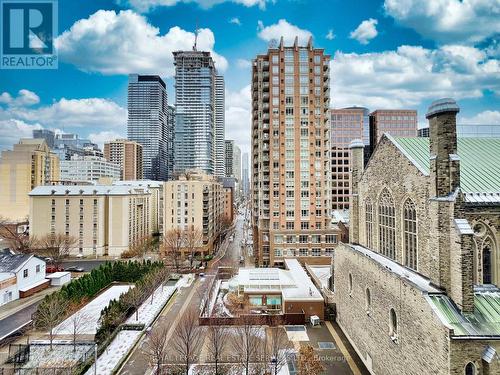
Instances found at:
x=115 y=351
x=92 y=312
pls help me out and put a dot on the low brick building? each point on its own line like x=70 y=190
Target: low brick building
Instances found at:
x=416 y=289
x=275 y=290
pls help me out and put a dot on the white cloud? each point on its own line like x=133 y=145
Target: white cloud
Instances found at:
x=485 y=117
x=235 y=20
x=148 y=5
x=410 y=75
x=124 y=42
x=285 y=30
x=238 y=117
x=12 y=130
x=366 y=31
x=330 y=35
x=243 y=63
x=104 y=136
x=455 y=21
x=24 y=97
x=18 y=120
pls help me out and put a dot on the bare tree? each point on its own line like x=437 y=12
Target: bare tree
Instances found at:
x=78 y=324
x=247 y=344
x=279 y=348
x=134 y=298
x=193 y=239
x=155 y=347
x=217 y=341
x=139 y=247
x=19 y=241
x=57 y=246
x=309 y=363
x=49 y=313
x=172 y=246
x=187 y=338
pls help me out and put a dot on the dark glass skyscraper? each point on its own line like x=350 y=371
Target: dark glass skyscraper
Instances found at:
x=149 y=125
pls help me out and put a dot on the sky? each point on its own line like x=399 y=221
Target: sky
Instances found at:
x=384 y=54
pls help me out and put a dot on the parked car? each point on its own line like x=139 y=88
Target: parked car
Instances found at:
x=51 y=268
x=75 y=269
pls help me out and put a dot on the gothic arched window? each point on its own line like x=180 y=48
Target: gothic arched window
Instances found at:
x=410 y=234
x=387 y=225
x=369 y=224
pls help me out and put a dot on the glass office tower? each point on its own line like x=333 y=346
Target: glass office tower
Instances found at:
x=148 y=124
x=199 y=104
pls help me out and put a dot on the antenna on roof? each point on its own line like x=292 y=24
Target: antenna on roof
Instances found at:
x=195 y=37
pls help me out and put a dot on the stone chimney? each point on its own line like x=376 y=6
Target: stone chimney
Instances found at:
x=357 y=166
x=444 y=163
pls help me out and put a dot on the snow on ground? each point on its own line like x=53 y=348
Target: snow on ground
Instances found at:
x=214 y=298
x=61 y=355
x=148 y=311
x=115 y=351
x=185 y=281
x=220 y=309
x=91 y=312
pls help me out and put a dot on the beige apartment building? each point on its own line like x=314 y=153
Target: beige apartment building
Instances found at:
x=155 y=201
x=195 y=200
x=28 y=165
x=128 y=155
x=105 y=220
x=291 y=155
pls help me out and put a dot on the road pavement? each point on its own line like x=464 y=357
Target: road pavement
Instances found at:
x=14 y=322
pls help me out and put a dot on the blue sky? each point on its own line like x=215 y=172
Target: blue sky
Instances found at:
x=385 y=54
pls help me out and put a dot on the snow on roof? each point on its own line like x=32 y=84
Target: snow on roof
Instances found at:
x=323 y=273
x=57 y=275
x=293 y=283
x=34 y=285
x=139 y=183
x=421 y=282
x=304 y=287
x=86 y=190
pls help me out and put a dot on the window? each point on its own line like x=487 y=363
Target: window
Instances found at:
x=394 y=326
x=410 y=234
x=369 y=224
x=255 y=300
x=470 y=369
x=303 y=252
x=316 y=252
x=37 y=268
x=25 y=273
x=331 y=238
x=350 y=283
x=387 y=223
x=368 y=300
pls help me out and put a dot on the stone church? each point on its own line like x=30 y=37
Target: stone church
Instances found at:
x=416 y=289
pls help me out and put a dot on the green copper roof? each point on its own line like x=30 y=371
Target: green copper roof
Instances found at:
x=479 y=161
x=485 y=321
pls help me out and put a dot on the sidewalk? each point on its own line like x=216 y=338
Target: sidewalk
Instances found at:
x=19 y=304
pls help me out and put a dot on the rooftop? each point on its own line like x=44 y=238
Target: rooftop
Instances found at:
x=78 y=190
x=293 y=283
x=484 y=321
x=419 y=281
x=10 y=262
x=479 y=164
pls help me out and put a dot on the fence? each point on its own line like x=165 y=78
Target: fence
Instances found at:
x=18 y=351
x=254 y=319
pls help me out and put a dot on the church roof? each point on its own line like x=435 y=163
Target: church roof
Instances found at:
x=484 y=321
x=479 y=164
